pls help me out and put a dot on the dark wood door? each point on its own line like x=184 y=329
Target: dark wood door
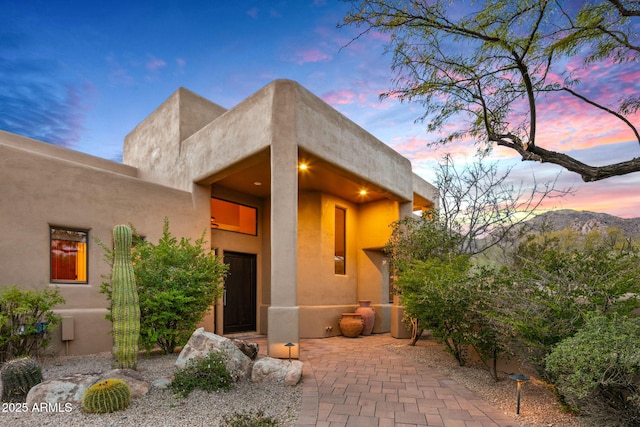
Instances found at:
x=240 y=293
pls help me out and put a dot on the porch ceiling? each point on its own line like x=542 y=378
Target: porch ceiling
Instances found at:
x=320 y=176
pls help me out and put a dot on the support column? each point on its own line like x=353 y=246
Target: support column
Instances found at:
x=283 y=314
x=398 y=330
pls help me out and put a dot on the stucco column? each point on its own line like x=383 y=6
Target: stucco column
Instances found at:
x=398 y=330
x=283 y=314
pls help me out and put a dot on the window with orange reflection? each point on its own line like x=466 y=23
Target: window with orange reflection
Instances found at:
x=68 y=255
x=340 y=240
x=235 y=217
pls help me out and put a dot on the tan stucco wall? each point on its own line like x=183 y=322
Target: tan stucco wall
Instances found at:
x=49 y=186
x=155 y=146
x=323 y=295
x=324 y=132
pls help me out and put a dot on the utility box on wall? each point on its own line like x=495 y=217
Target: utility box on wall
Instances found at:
x=67 y=329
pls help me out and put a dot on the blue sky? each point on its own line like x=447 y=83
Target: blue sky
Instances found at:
x=84 y=74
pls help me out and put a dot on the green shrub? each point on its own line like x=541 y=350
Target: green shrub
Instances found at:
x=208 y=373
x=177 y=282
x=18 y=377
x=26 y=320
x=259 y=419
x=597 y=371
x=434 y=292
x=556 y=281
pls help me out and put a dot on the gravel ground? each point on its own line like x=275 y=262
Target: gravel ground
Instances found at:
x=538 y=406
x=160 y=407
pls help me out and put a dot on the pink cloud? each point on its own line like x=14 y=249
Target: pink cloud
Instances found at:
x=339 y=97
x=311 y=55
x=154 y=64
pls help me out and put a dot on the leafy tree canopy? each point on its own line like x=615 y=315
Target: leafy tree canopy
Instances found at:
x=487 y=69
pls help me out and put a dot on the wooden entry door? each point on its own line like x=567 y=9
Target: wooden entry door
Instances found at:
x=240 y=293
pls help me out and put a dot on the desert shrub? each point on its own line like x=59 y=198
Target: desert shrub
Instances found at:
x=556 y=281
x=177 y=282
x=441 y=289
x=209 y=373
x=257 y=419
x=446 y=298
x=26 y=320
x=597 y=371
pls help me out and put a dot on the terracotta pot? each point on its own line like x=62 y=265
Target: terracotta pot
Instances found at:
x=351 y=324
x=368 y=314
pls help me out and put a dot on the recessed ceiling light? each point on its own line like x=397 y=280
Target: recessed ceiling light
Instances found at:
x=303 y=166
x=257 y=183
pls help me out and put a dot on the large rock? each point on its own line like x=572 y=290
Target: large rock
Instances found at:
x=202 y=343
x=250 y=349
x=71 y=389
x=137 y=385
x=283 y=371
x=61 y=390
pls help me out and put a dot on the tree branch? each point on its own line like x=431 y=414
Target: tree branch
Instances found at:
x=587 y=172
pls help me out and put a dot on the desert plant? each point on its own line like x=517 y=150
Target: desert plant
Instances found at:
x=106 y=396
x=18 y=377
x=556 y=281
x=177 y=282
x=26 y=319
x=125 y=308
x=250 y=419
x=597 y=371
x=209 y=374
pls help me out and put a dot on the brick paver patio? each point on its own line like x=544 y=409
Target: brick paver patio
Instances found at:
x=355 y=382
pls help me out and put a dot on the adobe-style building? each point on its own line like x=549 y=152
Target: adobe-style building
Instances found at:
x=297 y=197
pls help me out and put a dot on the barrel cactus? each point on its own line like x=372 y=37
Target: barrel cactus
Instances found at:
x=106 y=396
x=18 y=377
x=125 y=308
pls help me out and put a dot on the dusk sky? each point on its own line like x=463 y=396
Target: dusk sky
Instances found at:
x=83 y=74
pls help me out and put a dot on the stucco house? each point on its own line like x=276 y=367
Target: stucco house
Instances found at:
x=297 y=197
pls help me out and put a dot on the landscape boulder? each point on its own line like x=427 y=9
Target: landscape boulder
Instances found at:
x=201 y=343
x=68 y=389
x=250 y=349
x=277 y=370
x=137 y=385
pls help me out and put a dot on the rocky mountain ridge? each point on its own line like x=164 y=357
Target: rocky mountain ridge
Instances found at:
x=583 y=222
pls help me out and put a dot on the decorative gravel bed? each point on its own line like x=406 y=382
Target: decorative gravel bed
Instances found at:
x=538 y=407
x=160 y=407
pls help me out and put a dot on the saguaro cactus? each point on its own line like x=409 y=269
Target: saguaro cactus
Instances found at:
x=125 y=308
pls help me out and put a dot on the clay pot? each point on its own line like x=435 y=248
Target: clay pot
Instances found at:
x=351 y=324
x=368 y=314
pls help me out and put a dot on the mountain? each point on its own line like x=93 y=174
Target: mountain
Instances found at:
x=583 y=221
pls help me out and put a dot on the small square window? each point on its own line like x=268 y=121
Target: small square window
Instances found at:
x=69 y=260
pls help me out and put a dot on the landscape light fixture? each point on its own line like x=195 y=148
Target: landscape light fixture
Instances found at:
x=519 y=379
x=289 y=345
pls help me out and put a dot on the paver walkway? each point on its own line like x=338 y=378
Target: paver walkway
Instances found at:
x=359 y=382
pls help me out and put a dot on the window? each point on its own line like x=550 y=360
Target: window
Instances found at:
x=340 y=241
x=68 y=255
x=233 y=217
